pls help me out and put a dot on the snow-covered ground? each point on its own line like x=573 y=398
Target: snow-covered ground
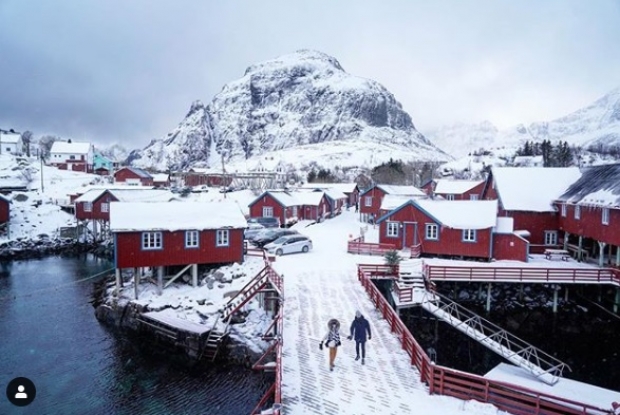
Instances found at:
x=37 y=211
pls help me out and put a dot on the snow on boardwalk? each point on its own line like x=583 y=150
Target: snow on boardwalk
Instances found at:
x=321 y=285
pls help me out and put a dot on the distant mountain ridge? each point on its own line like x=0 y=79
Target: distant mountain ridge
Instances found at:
x=594 y=126
x=302 y=104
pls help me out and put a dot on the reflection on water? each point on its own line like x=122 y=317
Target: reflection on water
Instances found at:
x=49 y=334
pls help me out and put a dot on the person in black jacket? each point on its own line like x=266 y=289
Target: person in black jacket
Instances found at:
x=360 y=330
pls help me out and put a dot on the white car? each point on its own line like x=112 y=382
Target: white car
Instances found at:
x=289 y=244
x=252 y=230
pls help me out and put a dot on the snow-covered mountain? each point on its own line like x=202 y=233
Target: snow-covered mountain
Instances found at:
x=305 y=101
x=594 y=126
x=114 y=152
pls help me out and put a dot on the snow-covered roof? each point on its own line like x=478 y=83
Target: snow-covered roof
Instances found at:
x=64 y=147
x=130 y=194
x=391 y=202
x=82 y=190
x=199 y=170
x=455 y=187
x=10 y=138
x=598 y=186
x=308 y=198
x=137 y=171
x=532 y=189
x=127 y=217
x=284 y=198
x=401 y=190
x=3 y=197
x=160 y=177
x=341 y=187
x=334 y=194
x=461 y=214
x=90 y=195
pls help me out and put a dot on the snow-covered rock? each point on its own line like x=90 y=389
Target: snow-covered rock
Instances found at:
x=301 y=100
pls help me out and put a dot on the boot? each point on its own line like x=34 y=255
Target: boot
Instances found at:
x=357 y=358
x=363 y=360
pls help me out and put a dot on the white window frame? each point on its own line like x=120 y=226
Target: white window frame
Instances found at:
x=295 y=211
x=450 y=196
x=105 y=207
x=192 y=239
x=88 y=206
x=605 y=216
x=563 y=210
x=429 y=230
x=469 y=235
x=551 y=238
x=267 y=211
x=152 y=241
x=367 y=201
x=474 y=197
x=577 y=212
x=391 y=230
x=222 y=237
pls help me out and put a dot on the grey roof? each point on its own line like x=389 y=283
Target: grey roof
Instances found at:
x=598 y=186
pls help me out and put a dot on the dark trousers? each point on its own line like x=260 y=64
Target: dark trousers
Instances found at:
x=357 y=348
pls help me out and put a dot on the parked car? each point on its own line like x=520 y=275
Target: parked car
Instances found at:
x=266 y=222
x=289 y=244
x=270 y=235
x=252 y=230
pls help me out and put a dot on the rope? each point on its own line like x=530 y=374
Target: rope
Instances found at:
x=42 y=290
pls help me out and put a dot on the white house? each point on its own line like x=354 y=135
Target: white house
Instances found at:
x=10 y=143
x=72 y=156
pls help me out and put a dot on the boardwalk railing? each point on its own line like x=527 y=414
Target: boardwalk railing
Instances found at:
x=445 y=381
x=358 y=246
x=525 y=274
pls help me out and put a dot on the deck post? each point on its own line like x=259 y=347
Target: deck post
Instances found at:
x=601 y=253
x=555 y=299
x=566 y=293
x=160 y=280
x=618 y=256
x=566 y=235
x=488 y=307
x=521 y=292
x=580 y=254
x=617 y=302
x=136 y=281
x=119 y=281
x=194 y=275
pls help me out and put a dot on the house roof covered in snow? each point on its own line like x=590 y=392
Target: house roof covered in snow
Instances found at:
x=138 y=172
x=130 y=194
x=391 y=202
x=283 y=198
x=455 y=187
x=334 y=194
x=598 y=186
x=308 y=198
x=64 y=147
x=3 y=197
x=398 y=190
x=10 y=138
x=457 y=214
x=127 y=217
x=160 y=177
x=82 y=190
x=532 y=189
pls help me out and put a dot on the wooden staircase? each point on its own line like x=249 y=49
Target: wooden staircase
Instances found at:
x=253 y=287
x=409 y=276
x=211 y=346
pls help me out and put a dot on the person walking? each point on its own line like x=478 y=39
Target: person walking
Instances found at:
x=360 y=330
x=332 y=341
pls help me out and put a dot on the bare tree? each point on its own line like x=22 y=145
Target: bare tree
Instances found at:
x=45 y=145
x=26 y=140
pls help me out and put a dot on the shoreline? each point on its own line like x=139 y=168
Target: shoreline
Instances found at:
x=19 y=250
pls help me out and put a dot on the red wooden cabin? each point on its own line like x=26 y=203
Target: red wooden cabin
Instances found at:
x=459 y=189
x=95 y=204
x=454 y=229
x=5 y=209
x=276 y=204
x=526 y=194
x=169 y=234
x=133 y=176
x=589 y=213
x=313 y=205
x=370 y=200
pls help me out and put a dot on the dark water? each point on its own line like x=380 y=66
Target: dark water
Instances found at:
x=48 y=333
x=581 y=335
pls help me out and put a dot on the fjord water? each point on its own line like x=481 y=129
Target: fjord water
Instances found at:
x=49 y=334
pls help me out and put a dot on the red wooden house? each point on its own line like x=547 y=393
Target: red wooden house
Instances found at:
x=337 y=201
x=442 y=228
x=350 y=190
x=5 y=209
x=204 y=177
x=162 y=235
x=95 y=204
x=161 y=180
x=428 y=186
x=589 y=214
x=526 y=194
x=370 y=199
x=275 y=204
x=313 y=205
x=459 y=189
x=133 y=176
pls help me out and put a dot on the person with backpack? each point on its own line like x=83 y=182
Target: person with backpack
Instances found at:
x=360 y=330
x=332 y=341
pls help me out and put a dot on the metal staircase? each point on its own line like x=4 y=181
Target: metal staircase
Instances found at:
x=540 y=364
x=214 y=340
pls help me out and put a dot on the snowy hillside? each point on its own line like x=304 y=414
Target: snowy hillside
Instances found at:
x=596 y=125
x=301 y=99
x=114 y=152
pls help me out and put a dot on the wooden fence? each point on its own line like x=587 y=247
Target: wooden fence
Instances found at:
x=358 y=246
x=445 y=381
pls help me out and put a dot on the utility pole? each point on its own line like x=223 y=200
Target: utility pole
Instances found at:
x=42 y=185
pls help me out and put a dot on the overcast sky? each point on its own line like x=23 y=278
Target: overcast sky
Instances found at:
x=127 y=70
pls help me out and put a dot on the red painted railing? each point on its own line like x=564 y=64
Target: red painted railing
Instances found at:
x=358 y=246
x=445 y=381
x=525 y=274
